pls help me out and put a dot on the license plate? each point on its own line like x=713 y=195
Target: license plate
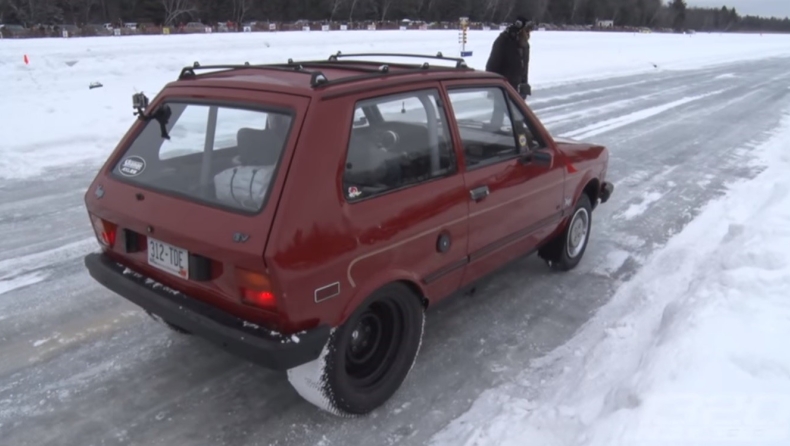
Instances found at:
x=168 y=258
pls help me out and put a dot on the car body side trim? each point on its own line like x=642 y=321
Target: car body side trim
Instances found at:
x=438 y=228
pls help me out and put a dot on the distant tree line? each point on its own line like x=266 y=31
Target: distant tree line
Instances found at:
x=625 y=13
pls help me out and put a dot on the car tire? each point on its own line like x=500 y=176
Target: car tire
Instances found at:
x=367 y=358
x=566 y=251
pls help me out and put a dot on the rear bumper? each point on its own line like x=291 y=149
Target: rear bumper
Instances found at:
x=607 y=189
x=259 y=345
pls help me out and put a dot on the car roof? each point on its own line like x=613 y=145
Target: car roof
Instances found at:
x=338 y=75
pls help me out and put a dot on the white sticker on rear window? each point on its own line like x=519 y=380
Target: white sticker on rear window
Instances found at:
x=132 y=166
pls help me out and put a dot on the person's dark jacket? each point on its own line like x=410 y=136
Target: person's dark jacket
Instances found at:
x=510 y=59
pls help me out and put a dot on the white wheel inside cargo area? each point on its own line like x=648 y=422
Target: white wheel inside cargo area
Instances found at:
x=366 y=359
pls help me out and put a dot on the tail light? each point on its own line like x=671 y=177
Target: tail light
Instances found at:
x=256 y=289
x=105 y=231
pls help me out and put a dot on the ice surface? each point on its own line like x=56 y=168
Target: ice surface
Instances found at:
x=12 y=283
x=31 y=262
x=57 y=132
x=641 y=207
x=621 y=121
x=691 y=351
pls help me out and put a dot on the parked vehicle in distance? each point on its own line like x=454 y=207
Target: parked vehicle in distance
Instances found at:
x=305 y=215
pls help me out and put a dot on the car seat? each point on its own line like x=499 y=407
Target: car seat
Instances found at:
x=245 y=186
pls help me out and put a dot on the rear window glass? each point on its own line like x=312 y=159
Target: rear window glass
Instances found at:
x=216 y=154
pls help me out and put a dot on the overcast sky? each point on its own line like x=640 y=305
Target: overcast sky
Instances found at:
x=776 y=8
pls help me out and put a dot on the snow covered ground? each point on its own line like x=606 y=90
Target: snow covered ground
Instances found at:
x=692 y=350
x=73 y=124
x=680 y=322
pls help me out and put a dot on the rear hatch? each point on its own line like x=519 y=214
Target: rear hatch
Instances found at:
x=190 y=203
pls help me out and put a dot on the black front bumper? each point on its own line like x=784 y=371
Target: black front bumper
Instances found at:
x=256 y=344
x=607 y=189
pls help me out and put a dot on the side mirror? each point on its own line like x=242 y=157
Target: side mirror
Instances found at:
x=538 y=157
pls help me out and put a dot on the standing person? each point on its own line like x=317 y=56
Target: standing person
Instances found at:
x=510 y=55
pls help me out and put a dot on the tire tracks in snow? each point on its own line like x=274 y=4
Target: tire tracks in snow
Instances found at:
x=615 y=123
x=697 y=150
x=13 y=267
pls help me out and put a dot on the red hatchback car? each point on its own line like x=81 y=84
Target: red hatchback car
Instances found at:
x=305 y=215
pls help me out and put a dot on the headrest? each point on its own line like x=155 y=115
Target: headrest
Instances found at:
x=246 y=137
x=258 y=147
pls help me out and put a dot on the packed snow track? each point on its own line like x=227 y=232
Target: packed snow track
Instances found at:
x=82 y=366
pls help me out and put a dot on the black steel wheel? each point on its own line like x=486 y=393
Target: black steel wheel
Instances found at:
x=368 y=357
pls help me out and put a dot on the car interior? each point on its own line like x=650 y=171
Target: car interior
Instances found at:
x=389 y=154
x=235 y=176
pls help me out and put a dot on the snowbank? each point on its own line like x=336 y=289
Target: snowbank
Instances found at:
x=693 y=350
x=51 y=119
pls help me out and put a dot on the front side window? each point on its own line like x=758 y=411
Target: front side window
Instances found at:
x=484 y=124
x=397 y=141
x=215 y=154
x=526 y=131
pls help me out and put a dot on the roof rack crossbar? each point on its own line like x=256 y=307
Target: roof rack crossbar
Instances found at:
x=348 y=79
x=339 y=65
x=316 y=77
x=373 y=66
x=459 y=62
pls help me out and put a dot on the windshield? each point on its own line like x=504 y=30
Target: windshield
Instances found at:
x=219 y=155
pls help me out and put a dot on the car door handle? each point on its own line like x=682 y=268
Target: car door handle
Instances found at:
x=479 y=193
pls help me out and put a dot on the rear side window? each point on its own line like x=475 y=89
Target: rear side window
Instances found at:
x=215 y=154
x=397 y=141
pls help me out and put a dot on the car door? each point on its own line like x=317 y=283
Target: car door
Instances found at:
x=404 y=195
x=511 y=173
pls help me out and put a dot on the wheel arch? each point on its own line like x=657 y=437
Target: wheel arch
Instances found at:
x=417 y=290
x=364 y=290
x=592 y=188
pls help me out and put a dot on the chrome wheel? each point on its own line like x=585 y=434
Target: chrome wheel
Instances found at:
x=577 y=233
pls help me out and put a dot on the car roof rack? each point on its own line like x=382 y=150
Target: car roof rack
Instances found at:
x=368 y=70
x=459 y=61
x=316 y=77
x=371 y=69
x=382 y=71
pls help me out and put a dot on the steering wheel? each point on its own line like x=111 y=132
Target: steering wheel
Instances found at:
x=386 y=140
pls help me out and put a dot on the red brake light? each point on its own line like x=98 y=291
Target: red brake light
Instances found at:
x=263 y=299
x=105 y=231
x=255 y=289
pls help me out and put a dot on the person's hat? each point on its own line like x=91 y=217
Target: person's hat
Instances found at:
x=521 y=23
